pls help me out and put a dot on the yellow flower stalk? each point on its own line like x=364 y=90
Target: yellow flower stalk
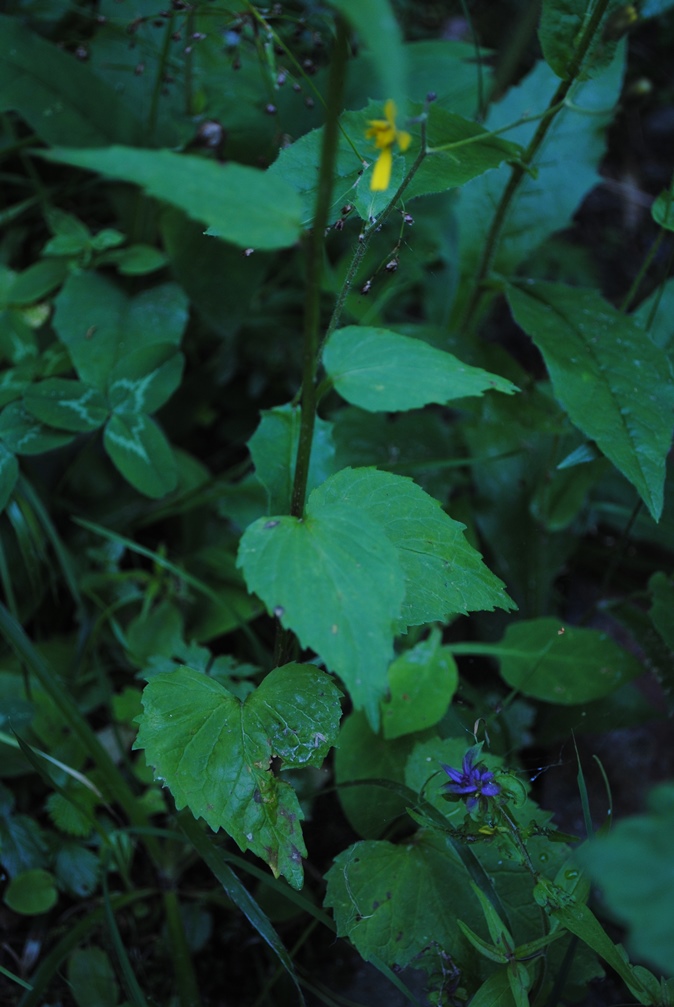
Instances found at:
x=385 y=134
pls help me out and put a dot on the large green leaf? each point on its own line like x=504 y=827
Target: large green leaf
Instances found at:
x=335 y=580
x=237 y=203
x=563 y=664
x=57 y=95
x=382 y=371
x=214 y=752
x=561 y=26
x=66 y=404
x=615 y=385
x=392 y=901
x=273 y=448
x=565 y=169
x=142 y=454
x=101 y=325
x=444 y=575
x=634 y=865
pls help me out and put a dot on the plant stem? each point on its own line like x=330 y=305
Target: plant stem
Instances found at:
x=159 y=80
x=315 y=253
x=285 y=640
x=520 y=169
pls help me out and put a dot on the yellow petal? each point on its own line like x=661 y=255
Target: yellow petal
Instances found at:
x=381 y=175
x=390 y=111
x=404 y=140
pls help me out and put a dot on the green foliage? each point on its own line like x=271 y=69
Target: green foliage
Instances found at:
x=381 y=371
x=275 y=561
x=602 y=351
x=216 y=753
x=633 y=865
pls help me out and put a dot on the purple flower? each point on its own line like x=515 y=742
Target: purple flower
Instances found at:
x=474 y=779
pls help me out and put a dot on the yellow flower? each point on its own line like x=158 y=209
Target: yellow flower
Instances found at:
x=385 y=133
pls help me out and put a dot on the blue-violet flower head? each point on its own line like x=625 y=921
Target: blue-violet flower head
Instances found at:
x=473 y=779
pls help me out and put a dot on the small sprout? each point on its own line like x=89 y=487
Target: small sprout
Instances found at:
x=392 y=266
x=279 y=611
x=347 y=208
x=270 y=109
x=339 y=225
x=408 y=219
x=281 y=78
x=367 y=287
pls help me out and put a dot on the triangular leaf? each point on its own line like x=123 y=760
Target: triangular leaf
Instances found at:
x=444 y=575
x=335 y=580
x=214 y=752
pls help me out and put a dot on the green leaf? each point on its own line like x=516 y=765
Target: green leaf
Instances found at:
x=142 y=454
x=101 y=326
x=273 y=448
x=24 y=435
x=441 y=170
x=382 y=371
x=422 y=682
x=143 y=380
x=615 y=385
x=214 y=753
x=444 y=575
x=360 y=754
x=237 y=203
x=56 y=95
x=92 y=978
x=31 y=893
x=561 y=26
x=138 y=260
x=378 y=29
x=662 y=211
x=634 y=864
x=392 y=901
x=494 y=992
x=563 y=664
x=334 y=579
x=66 y=404
x=9 y=473
x=662 y=607
x=77 y=868
x=459 y=150
x=38 y=280
x=576 y=137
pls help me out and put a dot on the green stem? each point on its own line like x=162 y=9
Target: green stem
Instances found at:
x=159 y=80
x=520 y=169
x=285 y=641
x=315 y=253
